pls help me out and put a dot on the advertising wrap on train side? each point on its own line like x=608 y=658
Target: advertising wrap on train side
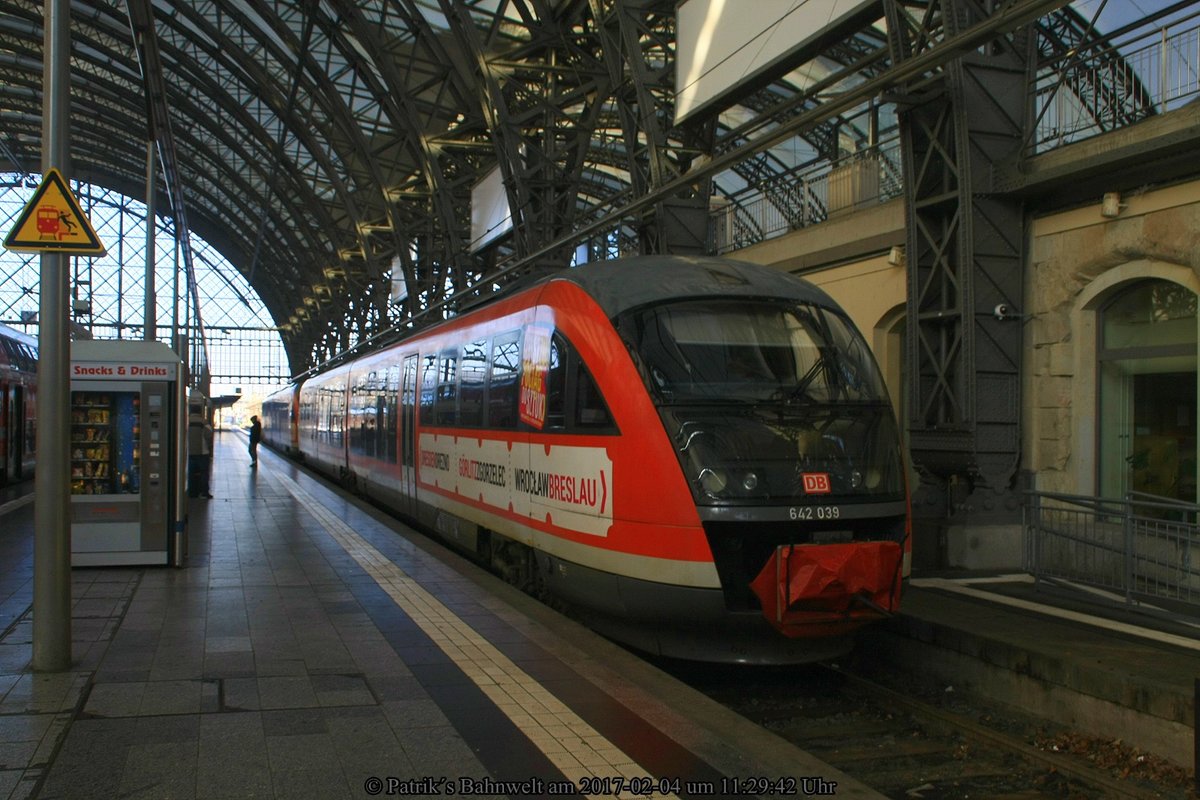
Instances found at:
x=566 y=485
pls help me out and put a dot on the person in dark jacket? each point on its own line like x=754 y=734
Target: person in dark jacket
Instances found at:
x=255 y=438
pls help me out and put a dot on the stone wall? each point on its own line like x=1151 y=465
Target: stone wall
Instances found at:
x=1077 y=260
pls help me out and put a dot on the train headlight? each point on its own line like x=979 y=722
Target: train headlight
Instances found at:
x=750 y=482
x=713 y=481
x=856 y=479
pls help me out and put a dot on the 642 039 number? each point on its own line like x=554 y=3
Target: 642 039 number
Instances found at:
x=814 y=512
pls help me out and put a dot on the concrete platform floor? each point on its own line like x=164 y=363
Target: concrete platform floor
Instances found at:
x=313 y=648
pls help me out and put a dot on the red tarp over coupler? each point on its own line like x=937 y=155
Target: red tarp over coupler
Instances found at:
x=816 y=589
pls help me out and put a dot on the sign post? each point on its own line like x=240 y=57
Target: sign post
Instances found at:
x=54 y=225
x=52 y=537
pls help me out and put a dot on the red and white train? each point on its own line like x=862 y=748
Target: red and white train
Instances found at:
x=698 y=455
x=18 y=404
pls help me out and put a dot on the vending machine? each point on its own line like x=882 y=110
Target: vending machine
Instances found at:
x=124 y=465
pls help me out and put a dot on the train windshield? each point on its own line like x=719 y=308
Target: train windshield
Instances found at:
x=761 y=396
x=752 y=351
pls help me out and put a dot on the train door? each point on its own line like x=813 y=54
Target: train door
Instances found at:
x=27 y=402
x=19 y=449
x=408 y=438
x=8 y=433
x=16 y=450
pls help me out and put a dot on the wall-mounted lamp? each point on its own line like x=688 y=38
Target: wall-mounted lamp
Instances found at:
x=1111 y=205
x=896 y=255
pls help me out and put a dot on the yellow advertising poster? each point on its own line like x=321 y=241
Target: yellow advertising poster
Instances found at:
x=535 y=363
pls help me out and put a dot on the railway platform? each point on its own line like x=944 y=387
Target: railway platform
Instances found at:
x=312 y=647
x=1062 y=652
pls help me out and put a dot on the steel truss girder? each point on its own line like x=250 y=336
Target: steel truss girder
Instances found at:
x=638 y=41
x=435 y=194
x=582 y=74
x=965 y=246
x=541 y=101
x=297 y=197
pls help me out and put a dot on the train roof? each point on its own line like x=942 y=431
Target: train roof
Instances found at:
x=18 y=351
x=14 y=334
x=631 y=282
x=621 y=284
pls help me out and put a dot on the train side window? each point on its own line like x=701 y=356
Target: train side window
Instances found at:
x=331 y=410
x=472 y=383
x=392 y=429
x=573 y=399
x=556 y=385
x=358 y=390
x=446 y=409
x=428 y=388
x=591 y=412
x=321 y=416
x=362 y=415
x=504 y=384
x=408 y=401
x=337 y=414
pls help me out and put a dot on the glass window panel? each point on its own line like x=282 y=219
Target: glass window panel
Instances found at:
x=556 y=384
x=504 y=386
x=590 y=409
x=748 y=350
x=473 y=378
x=446 y=412
x=1146 y=427
x=1152 y=314
x=428 y=387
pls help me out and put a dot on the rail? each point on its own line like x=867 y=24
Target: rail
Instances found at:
x=797 y=200
x=1143 y=546
x=1113 y=85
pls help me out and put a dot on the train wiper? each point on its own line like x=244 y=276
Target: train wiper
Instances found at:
x=792 y=394
x=699 y=400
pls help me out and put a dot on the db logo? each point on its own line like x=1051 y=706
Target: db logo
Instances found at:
x=816 y=482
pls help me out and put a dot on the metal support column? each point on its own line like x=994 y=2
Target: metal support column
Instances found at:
x=52 y=501
x=966 y=263
x=150 y=319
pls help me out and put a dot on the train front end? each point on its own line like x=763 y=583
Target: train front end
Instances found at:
x=782 y=426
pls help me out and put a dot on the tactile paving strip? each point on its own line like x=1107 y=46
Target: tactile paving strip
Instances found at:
x=569 y=742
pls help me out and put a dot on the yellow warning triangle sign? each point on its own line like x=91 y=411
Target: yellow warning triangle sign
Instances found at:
x=53 y=222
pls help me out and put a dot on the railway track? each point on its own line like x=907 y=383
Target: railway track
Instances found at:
x=908 y=747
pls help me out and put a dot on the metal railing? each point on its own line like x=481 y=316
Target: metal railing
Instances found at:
x=1152 y=72
x=1141 y=547
x=795 y=201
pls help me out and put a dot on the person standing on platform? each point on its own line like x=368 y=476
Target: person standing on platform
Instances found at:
x=200 y=437
x=255 y=438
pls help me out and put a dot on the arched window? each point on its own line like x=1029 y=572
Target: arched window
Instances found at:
x=1146 y=421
